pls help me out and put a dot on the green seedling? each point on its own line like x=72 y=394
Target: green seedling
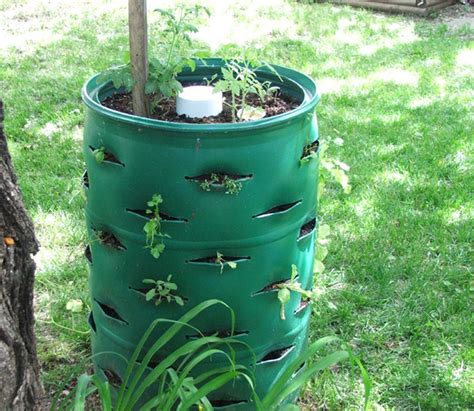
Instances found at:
x=152 y=228
x=240 y=79
x=231 y=186
x=169 y=56
x=162 y=291
x=172 y=57
x=285 y=289
x=222 y=262
x=99 y=154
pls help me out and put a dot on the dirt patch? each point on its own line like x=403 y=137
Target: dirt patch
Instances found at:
x=166 y=111
x=456 y=16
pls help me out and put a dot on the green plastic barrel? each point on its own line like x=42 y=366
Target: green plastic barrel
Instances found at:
x=264 y=228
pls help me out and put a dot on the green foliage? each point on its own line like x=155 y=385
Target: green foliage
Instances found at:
x=162 y=291
x=292 y=380
x=99 y=154
x=240 y=79
x=152 y=228
x=292 y=285
x=222 y=262
x=398 y=277
x=172 y=55
x=176 y=388
x=231 y=186
x=120 y=76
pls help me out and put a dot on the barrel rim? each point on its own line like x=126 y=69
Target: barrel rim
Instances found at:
x=90 y=96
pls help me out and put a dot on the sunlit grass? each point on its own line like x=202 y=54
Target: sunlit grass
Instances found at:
x=399 y=91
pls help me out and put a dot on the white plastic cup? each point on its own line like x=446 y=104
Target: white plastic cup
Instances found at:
x=199 y=102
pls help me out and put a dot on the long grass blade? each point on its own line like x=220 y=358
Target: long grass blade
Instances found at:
x=103 y=389
x=303 y=377
x=188 y=368
x=125 y=397
x=288 y=373
x=81 y=392
x=211 y=386
x=187 y=348
x=132 y=394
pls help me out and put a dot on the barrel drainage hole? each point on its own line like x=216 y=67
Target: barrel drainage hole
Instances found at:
x=279 y=209
x=85 y=179
x=273 y=286
x=276 y=355
x=108 y=239
x=91 y=322
x=110 y=312
x=88 y=253
x=307 y=228
x=219 y=334
x=310 y=150
x=231 y=183
x=163 y=216
x=113 y=378
x=302 y=306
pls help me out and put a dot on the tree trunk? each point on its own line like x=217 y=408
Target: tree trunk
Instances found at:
x=20 y=388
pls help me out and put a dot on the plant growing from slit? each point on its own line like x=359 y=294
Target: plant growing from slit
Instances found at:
x=162 y=291
x=240 y=79
x=222 y=262
x=285 y=289
x=152 y=228
x=99 y=154
x=230 y=185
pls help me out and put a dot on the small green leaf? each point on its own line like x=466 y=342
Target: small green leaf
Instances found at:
x=150 y=294
x=74 y=306
x=157 y=249
x=99 y=155
x=284 y=295
x=294 y=272
x=179 y=300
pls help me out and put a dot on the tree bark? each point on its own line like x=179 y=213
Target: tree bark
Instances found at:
x=20 y=387
x=138 y=33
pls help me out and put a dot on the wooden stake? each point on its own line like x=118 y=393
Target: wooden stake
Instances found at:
x=138 y=33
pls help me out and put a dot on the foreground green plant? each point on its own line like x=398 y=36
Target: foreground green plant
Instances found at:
x=162 y=291
x=223 y=262
x=152 y=228
x=240 y=79
x=172 y=53
x=230 y=185
x=175 y=387
x=292 y=285
x=99 y=154
x=301 y=370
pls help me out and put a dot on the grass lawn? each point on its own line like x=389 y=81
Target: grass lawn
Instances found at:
x=399 y=92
